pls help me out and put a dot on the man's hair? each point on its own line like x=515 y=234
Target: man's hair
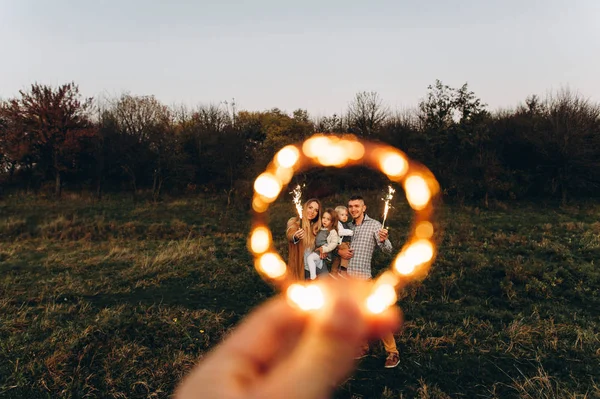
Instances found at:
x=356 y=197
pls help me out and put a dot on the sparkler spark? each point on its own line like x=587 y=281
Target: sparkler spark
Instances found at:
x=297 y=193
x=387 y=206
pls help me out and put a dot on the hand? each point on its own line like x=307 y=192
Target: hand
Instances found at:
x=299 y=234
x=383 y=235
x=346 y=253
x=273 y=353
x=322 y=254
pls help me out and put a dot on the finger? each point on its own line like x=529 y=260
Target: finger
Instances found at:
x=264 y=332
x=326 y=351
x=246 y=353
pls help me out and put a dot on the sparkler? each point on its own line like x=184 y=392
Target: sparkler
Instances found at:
x=297 y=193
x=387 y=206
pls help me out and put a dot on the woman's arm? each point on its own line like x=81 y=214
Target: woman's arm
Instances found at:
x=293 y=231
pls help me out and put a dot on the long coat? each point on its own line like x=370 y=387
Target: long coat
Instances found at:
x=295 y=251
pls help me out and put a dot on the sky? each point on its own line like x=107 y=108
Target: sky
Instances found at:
x=314 y=55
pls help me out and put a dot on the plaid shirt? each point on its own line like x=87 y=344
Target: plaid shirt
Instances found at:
x=364 y=241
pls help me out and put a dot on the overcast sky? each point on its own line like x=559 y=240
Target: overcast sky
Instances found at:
x=302 y=54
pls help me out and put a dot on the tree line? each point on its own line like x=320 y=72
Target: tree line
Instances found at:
x=52 y=138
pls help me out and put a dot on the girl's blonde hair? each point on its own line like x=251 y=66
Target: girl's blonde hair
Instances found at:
x=311 y=229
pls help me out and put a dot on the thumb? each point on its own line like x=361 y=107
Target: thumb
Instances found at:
x=324 y=355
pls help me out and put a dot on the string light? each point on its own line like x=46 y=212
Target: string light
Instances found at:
x=329 y=150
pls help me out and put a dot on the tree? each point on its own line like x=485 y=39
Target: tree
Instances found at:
x=465 y=153
x=366 y=113
x=137 y=143
x=436 y=111
x=200 y=131
x=567 y=139
x=50 y=125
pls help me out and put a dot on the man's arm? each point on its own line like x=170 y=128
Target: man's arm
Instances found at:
x=379 y=234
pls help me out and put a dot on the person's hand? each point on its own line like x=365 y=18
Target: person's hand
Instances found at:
x=299 y=234
x=274 y=352
x=322 y=254
x=347 y=253
x=383 y=235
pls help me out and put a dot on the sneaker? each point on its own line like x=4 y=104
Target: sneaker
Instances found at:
x=392 y=360
x=364 y=352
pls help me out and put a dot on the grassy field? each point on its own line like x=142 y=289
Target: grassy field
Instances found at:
x=115 y=300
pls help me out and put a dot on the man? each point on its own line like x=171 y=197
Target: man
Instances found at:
x=368 y=234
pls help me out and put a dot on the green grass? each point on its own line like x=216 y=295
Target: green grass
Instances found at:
x=110 y=299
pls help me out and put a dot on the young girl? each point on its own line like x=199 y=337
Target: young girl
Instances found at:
x=326 y=241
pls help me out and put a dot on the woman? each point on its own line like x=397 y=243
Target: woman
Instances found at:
x=301 y=236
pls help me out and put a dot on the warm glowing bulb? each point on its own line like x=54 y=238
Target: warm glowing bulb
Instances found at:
x=417 y=192
x=393 y=164
x=316 y=297
x=314 y=146
x=260 y=240
x=267 y=185
x=284 y=175
x=417 y=253
x=383 y=297
x=357 y=151
x=295 y=293
x=333 y=155
x=424 y=230
x=259 y=205
x=288 y=156
x=306 y=298
x=272 y=265
x=403 y=265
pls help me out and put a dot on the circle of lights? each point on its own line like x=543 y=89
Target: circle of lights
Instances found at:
x=421 y=188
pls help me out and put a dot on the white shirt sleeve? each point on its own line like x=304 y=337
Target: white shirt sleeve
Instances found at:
x=342 y=232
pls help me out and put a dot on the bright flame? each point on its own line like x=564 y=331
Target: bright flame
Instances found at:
x=417 y=253
x=424 y=230
x=417 y=192
x=383 y=297
x=307 y=298
x=287 y=156
x=386 y=207
x=267 y=185
x=272 y=265
x=260 y=240
x=393 y=164
x=297 y=200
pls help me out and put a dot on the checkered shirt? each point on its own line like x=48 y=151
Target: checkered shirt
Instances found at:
x=364 y=241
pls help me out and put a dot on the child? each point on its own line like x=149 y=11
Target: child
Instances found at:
x=326 y=241
x=345 y=232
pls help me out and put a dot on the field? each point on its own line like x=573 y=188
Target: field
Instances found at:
x=113 y=299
